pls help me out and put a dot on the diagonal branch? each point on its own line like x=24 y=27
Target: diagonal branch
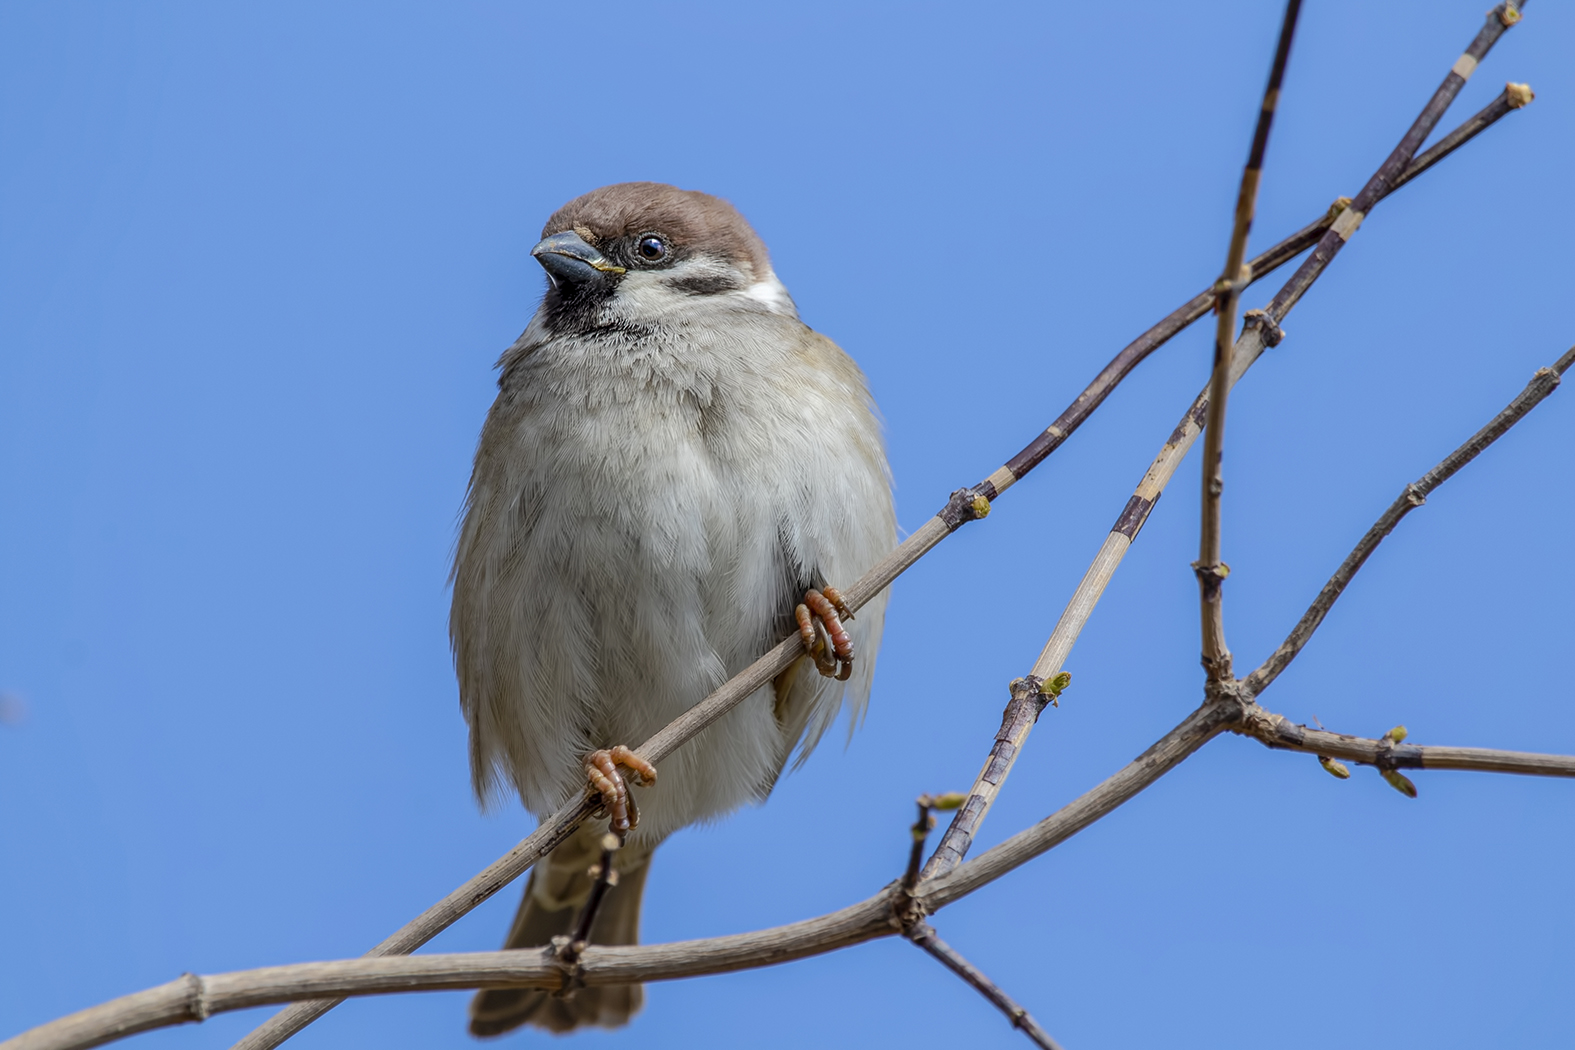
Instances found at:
x=964 y=506
x=1210 y=571
x=925 y=937
x=1542 y=384
x=1500 y=18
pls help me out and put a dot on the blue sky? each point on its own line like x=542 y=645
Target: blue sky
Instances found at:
x=256 y=262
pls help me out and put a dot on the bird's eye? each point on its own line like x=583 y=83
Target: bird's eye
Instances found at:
x=652 y=249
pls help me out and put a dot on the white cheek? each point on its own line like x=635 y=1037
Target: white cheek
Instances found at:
x=770 y=293
x=645 y=295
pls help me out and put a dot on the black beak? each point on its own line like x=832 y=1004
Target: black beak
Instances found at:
x=571 y=263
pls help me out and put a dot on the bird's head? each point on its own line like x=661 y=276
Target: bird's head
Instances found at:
x=636 y=252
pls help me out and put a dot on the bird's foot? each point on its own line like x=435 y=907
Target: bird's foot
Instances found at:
x=607 y=780
x=820 y=625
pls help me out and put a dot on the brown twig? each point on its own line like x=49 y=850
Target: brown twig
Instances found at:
x=921 y=831
x=1384 y=179
x=965 y=505
x=1542 y=384
x=925 y=937
x=1388 y=754
x=1210 y=570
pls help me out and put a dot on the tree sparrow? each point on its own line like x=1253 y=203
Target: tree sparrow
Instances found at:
x=675 y=470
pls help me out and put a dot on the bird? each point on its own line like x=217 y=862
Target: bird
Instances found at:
x=676 y=474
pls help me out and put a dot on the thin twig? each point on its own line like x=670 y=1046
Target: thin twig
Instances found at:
x=925 y=937
x=1277 y=731
x=1542 y=384
x=1384 y=179
x=921 y=831
x=965 y=505
x=1210 y=570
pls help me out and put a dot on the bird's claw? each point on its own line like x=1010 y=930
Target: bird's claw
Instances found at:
x=820 y=619
x=608 y=782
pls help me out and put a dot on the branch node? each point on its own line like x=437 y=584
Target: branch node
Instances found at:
x=1272 y=333
x=1339 y=205
x=1518 y=96
x=1508 y=14
x=965 y=505
x=1227 y=691
x=564 y=953
x=1032 y=689
x=197 y=997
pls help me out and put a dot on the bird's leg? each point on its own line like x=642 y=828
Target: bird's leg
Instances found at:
x=820 y=619
x=601 y=769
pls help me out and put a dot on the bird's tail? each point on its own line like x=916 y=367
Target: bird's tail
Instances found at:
x=557 y=890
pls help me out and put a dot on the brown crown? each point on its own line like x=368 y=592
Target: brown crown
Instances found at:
x=690 y=219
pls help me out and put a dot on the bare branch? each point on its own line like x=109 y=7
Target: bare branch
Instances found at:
x=1260 y=332
x=1210 y=571
x=1197 y=729
x=1029 y=697
x=192 y=998
x=1542 y=384
x=965 y=505
x=1499 y=19
x=1178 y=319
x=1277 y=731
x=925 y=937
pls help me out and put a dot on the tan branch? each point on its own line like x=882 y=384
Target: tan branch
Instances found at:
x=1542 y=384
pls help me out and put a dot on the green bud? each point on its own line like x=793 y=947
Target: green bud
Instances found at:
x=950 y=800
x=1400 y=782
x=1334 y=768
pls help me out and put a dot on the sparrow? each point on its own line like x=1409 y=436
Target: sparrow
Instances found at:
x=676 y=473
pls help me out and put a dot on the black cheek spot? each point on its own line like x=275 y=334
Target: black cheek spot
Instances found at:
x=712 y=285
